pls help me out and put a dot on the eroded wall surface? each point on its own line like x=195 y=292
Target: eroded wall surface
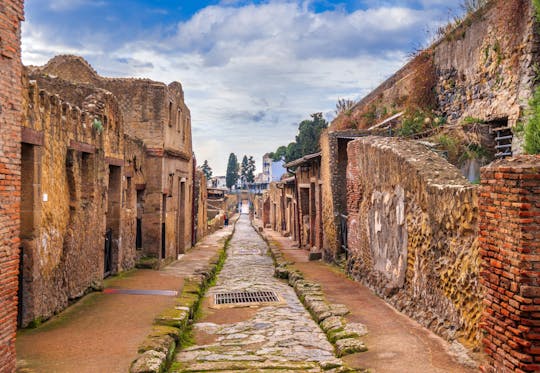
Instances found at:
x=483 y=69
x=156 y=114
x=72 y=194
x=11 y=15
x=412 y=234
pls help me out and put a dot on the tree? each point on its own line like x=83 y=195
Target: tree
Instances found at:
x=232 y=171
x=344 y=105
x=307 y=140
x=309 y=133
x=244 y=170
x=206 y=169
x=250 y=174
x=279 y=154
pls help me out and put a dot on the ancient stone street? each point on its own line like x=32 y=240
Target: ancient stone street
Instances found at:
x=280 y=337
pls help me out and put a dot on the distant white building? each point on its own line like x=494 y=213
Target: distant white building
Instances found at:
x=272 y=170
x=217 y=182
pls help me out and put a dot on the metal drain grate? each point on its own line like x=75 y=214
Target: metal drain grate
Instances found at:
x=246 y=297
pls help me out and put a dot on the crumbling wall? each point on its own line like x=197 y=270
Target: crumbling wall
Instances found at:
x=11 y=15
x=200 y=197
x=156 y=114
x=412 y=231
x=484 y=69
x=66 y=178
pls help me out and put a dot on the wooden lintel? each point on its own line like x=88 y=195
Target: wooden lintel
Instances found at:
x=140 y=186
x=31 y=136
x=114 y=161
x=82 y=147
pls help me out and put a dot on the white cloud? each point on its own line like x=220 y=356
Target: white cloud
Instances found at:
x=251 y=73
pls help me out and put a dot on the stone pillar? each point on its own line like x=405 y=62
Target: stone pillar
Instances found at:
x=11 y=15
x=510 y=255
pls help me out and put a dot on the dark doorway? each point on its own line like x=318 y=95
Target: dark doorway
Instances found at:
x=181 y=217
x=163 y=228
x=107 y=257
x=29 y=209
x=113 y=220
x=138 y=238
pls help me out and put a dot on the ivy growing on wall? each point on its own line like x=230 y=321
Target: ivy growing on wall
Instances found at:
x=532 y=129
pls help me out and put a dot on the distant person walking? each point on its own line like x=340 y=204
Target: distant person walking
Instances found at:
x=226 y=219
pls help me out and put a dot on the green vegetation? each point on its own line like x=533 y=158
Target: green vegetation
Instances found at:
x=532 y=129
x=206 y=169
x=536 y=4
x=247 y=169
x=98 y=126
x=344 y=106
x=473 y=120
x=232 y=171
x=413 y=123
x=307 y=140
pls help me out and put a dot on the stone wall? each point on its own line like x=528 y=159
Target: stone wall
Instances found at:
x=156 y=114
x=72 y=192
x=200 y=195
x=11 y=15
x=334 y=187
x=484 y=69
x=412 y=226
x=510 y=253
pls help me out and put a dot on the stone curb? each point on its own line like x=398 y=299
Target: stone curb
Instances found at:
x=343 y=335
x=170 y=326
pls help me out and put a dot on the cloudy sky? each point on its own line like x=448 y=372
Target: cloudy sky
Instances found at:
x=251 y=70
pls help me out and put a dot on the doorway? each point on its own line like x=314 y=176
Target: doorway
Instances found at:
x=28 y=209
x=112 y=232
x=181 y=217
x=163 y=227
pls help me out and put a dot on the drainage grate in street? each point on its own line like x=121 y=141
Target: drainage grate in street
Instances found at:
x=246 y=297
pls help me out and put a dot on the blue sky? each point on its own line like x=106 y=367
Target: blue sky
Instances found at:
x=251 y=70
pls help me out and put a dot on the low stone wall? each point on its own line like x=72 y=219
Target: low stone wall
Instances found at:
x=412 y=231
x=510 y=252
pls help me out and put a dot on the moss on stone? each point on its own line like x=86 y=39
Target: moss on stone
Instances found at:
x=172 y=317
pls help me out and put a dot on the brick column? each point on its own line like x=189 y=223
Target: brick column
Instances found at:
x=11 y=14
x=510 y=254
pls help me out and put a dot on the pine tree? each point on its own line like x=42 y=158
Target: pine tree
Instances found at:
x=250 y=174
x=232 y=171
x=206 y=169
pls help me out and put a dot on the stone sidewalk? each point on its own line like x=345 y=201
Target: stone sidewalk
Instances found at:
x=278 y=337
x=102 y=331
x=395 y=342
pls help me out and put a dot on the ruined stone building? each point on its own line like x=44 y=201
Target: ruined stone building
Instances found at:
x=11 y=109
x=156 y=115
x=107 y=177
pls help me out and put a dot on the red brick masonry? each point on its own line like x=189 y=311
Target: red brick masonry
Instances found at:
x=11 y=13
x=510 y=253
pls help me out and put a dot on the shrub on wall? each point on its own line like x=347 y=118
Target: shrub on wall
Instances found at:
x=532 y=129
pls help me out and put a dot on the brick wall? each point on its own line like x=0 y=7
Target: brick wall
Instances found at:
x=510 y=253
x=11 y=13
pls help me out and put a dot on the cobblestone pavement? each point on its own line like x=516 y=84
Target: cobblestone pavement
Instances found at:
x=277 y=338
